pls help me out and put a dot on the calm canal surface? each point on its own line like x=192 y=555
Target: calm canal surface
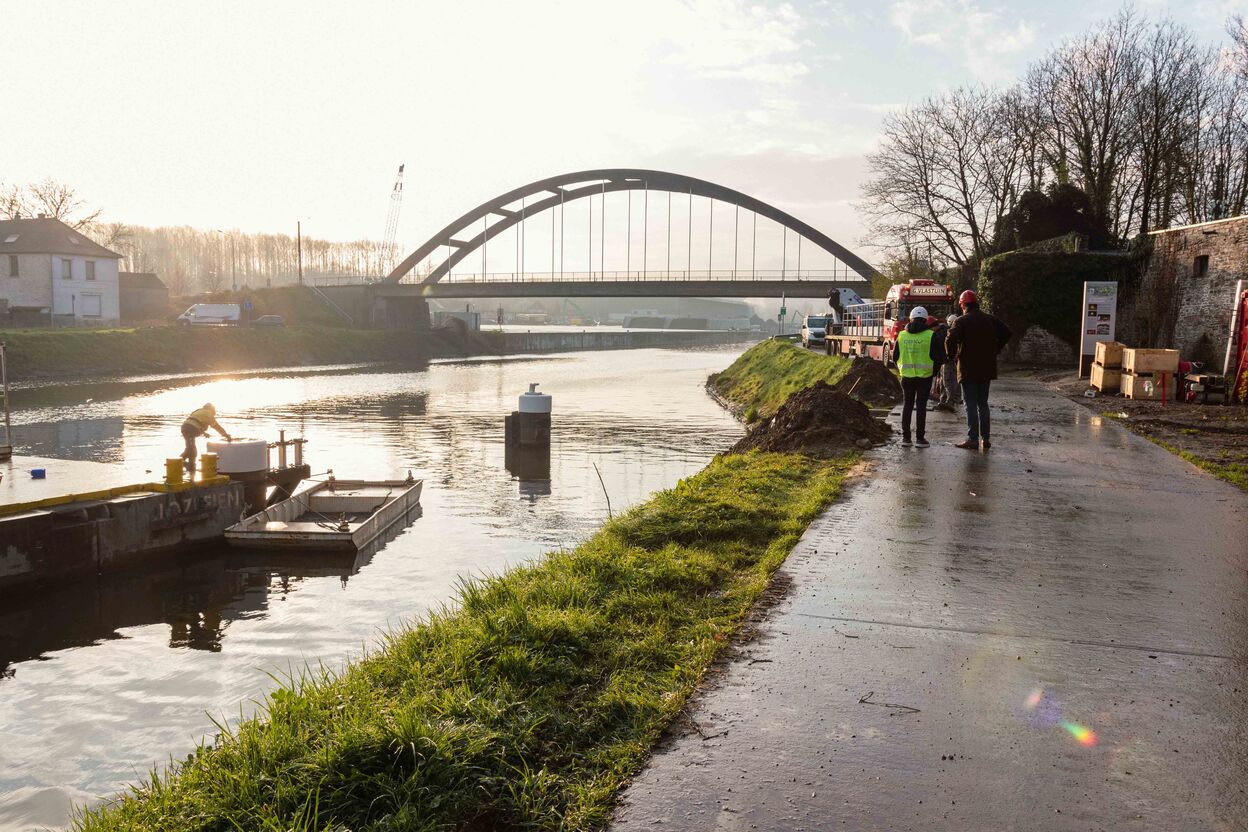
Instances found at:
x=100 y=682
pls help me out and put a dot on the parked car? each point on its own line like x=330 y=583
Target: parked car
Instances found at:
x=269 y=320
x=814 y=330
x=212 y=314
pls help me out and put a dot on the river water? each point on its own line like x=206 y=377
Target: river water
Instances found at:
x=101 y=681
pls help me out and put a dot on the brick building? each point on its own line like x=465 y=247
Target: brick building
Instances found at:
x=1187 y=288
x=49 y=269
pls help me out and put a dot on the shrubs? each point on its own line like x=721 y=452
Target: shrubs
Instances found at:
x=1028 y=288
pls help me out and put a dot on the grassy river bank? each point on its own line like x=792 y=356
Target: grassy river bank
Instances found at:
x=49 y=353
x=532 y=699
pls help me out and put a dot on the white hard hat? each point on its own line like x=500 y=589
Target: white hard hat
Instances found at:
x=918 y=312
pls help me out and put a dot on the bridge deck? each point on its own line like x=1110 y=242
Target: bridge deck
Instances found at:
x=620 y=288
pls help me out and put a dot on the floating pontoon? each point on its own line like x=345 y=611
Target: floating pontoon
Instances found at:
x=329 y=514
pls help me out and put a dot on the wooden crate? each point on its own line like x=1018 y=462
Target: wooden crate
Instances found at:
x=1147 y=386
x=1109 y=354
x=1106 y=379
x=1150 y=361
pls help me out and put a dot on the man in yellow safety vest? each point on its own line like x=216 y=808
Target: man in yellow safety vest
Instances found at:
x=195 y=426
x=917 y=354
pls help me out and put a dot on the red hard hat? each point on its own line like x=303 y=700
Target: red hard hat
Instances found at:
x=968 y=297
x=931 y=320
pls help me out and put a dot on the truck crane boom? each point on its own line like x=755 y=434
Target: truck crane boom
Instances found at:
x=392 y=222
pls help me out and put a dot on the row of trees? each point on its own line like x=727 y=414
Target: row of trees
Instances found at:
x=1133 y=126
x=195 y=260
x=192 y=259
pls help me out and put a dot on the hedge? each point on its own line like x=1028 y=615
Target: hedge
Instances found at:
x=1030 y=288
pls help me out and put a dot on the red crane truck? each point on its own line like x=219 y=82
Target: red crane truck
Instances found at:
x=871 y=329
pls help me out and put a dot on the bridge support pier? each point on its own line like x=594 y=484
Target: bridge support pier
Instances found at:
x=392 y=312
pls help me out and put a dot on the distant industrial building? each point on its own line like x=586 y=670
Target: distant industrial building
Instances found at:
x=51 y=273
x=144 y=297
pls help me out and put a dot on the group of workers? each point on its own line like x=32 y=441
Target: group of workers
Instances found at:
x=962 y=352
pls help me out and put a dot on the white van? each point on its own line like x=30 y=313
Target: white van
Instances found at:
x=814 y=330
x=212 y=314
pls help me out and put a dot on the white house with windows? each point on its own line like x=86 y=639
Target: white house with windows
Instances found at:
x=49 y=269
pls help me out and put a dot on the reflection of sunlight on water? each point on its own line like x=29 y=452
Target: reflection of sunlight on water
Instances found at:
x=202 y=633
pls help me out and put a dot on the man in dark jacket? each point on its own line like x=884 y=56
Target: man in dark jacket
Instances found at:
x=917 y=355
x=974 y=342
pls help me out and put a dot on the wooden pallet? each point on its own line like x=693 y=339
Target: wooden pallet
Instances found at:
x=1141 y=361
x=1109 y=354
x=1147 y=386
x=1106 y=379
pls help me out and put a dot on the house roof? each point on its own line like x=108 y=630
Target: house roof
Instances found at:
x=139 y=280
x=46 y=235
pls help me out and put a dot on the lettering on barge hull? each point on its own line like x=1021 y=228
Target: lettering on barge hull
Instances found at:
x=97 y=537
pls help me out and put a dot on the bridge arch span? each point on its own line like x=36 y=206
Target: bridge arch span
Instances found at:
x=588 y=183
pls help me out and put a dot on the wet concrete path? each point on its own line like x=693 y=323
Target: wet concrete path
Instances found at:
x=1052 y=636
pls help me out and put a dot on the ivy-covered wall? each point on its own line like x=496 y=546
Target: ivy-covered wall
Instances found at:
x=1039 y=294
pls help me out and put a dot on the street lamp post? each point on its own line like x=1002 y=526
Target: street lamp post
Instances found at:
x=299 y=247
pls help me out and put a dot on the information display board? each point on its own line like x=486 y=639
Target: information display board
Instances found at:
x=1100 y=319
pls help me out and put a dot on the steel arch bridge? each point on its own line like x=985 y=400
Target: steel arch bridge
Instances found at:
x=507 y=210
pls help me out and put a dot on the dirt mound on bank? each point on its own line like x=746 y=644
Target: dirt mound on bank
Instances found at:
x=870 y=381
x=820 y=421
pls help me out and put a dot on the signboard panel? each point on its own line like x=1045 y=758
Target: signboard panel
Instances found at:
x=1100 y=319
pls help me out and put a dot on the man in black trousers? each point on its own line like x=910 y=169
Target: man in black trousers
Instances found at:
x=974 y=341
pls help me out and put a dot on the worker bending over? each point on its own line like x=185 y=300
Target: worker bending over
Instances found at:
x=195 y=426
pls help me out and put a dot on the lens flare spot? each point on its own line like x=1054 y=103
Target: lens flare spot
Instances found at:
x=1084 y=736
x=1033 y=700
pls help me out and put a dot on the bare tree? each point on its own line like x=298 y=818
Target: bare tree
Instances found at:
x=62 y=202
x=1144 y=118
x=945 y=173
x=1174 y=81
x=12 y=202
x=1085 y=90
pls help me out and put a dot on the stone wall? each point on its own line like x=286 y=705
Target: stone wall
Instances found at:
x=1183 y=301
x=1039 y=346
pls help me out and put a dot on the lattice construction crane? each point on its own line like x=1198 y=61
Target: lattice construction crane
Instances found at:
x=392 y=221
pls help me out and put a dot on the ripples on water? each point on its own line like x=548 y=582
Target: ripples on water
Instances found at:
x=99 y=682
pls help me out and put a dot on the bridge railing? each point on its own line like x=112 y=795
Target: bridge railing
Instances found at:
x=614 y=276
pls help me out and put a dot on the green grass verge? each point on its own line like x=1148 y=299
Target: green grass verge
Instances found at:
x=1233 y=471
x=1236 y=473
x=766 y=374
x=51 y=352
x=530 y=704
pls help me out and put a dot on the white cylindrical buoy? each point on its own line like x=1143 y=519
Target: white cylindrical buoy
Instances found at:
x=530 y=425
x=534 y=402
x=245 y=461
x=241 y=456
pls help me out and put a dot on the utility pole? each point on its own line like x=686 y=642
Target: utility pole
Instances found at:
x=299 y=247
x=6 y=450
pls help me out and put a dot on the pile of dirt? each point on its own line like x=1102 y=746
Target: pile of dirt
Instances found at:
x=820 y=421
x=870 y=381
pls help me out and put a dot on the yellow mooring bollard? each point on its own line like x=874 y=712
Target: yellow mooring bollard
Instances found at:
x=208 y=466
x=173 y=471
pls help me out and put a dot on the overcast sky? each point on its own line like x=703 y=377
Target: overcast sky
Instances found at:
x=257 y=114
